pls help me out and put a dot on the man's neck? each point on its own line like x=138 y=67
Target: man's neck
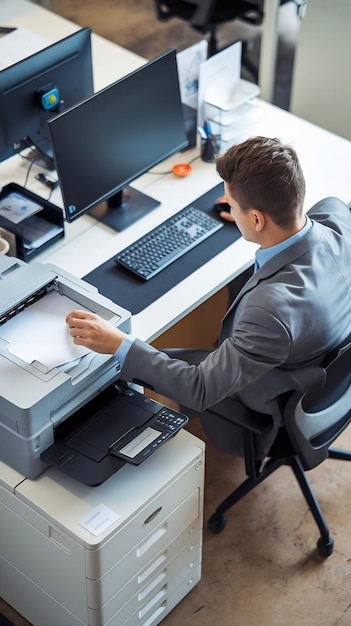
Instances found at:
x=275 y=234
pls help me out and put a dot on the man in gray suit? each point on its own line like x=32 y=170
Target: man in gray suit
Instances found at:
x=294 y=308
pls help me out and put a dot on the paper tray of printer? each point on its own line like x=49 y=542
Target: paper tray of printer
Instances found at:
x=118 y=426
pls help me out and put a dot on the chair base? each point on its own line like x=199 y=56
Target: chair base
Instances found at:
x=325 y=544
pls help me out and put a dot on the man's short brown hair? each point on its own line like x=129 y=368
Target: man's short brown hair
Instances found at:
x=264 y=174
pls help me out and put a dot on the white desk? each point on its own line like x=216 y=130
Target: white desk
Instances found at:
x=325 y=158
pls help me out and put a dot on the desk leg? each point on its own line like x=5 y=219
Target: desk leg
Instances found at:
x=268 y=52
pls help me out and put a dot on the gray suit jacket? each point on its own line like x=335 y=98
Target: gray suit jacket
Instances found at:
x=288 y=315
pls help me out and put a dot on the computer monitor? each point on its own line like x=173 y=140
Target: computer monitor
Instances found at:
x=37 y=88
x=106 y=142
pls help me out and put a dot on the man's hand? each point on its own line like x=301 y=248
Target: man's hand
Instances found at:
x=225 y=214
x=93 y=332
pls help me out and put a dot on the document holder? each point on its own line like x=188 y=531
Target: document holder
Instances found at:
x=35 y=222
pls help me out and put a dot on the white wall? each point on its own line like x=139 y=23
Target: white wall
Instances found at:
x=321 y=84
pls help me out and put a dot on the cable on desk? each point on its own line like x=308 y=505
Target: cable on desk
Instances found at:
x=31 y=163
x=170 y=171
x=51 y=183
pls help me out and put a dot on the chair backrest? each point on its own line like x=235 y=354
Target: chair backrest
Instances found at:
x=316 y=418
x=204 y=14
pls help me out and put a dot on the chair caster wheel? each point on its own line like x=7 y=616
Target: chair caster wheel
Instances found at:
x=217 y=522
x=325 y=548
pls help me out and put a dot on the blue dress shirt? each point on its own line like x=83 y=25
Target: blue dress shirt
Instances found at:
x=265 y=254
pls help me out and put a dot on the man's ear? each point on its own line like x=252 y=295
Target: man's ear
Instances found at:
x=258 y=220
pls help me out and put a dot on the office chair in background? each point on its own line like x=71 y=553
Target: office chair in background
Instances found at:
x=311 y=423
x=205 y=16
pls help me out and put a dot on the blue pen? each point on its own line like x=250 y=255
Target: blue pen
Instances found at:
x=207 y=129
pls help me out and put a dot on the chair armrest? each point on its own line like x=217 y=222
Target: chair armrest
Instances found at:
x=236 y=413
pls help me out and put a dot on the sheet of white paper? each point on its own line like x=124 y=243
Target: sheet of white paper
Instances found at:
x=99 y=519
x=219 y=74
x=18 y=45
x=188 y=64
x=40 y=333
x=16 y=208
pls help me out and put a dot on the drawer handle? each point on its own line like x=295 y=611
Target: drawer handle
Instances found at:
x=156 y=536
x=153 y=515
x=157 y=598
x=154 y=565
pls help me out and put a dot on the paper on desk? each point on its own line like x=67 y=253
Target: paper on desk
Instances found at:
x=16 y=208
x=40 y=333
x=18 y=45
x=220 y=83
x=188 y=64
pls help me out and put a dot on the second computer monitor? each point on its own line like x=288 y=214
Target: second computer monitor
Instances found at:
x=106 y=142
x=37 y=88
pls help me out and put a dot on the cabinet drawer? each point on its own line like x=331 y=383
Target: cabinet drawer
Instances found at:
x=155 y=590
x=178 y=529
x=53 y=567
x=162 y=604
x=149 y=518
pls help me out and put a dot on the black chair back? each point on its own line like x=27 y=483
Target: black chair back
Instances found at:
x=315 y=419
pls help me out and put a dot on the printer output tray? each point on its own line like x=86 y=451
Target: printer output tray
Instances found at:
x=120 y=425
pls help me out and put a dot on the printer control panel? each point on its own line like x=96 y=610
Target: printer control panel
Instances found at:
x=165 y=424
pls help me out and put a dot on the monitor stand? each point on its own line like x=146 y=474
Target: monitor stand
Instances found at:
x=42 y=153
x=124 y=208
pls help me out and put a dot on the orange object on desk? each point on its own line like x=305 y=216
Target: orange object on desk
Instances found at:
x=181 y=169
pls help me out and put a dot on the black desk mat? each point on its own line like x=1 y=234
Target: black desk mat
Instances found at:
x=135 y=294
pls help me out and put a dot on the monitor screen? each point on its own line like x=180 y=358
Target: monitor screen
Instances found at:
x=37 y=88
x=104 y=143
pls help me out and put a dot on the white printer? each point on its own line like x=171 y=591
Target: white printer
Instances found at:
x=81 y=419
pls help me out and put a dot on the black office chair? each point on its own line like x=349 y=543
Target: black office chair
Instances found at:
x=206 y=16
x=311 y=423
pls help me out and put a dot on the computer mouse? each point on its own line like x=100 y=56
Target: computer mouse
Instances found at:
x=221 y=206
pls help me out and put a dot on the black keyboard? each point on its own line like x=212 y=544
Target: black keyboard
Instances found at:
x=150 y=254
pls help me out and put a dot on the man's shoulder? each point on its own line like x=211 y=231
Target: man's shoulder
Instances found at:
x=330 y=208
